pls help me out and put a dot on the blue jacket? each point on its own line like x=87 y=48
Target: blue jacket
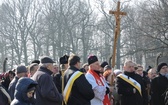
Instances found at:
x=20 y=96
x=12 y=85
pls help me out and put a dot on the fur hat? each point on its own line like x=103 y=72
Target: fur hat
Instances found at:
x=64 y=59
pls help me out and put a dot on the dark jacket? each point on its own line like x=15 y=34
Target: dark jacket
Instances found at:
x=158 y=87
x=81 y=92
x=57 y=80
x=3 y=97
x=128 y=97
x=146 y=82
x=46 y=91
x=11 y=89
x=20 y=96
x=6 y=83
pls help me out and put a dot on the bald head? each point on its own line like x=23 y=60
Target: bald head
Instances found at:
x=152 y=73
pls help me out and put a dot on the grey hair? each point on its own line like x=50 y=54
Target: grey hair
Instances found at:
x=44 y=64
x=127 y=61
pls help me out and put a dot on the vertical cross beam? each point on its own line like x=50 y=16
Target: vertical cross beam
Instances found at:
x=117 y=15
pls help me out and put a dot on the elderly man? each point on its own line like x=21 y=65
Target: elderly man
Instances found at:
x=152 y=74
x=80 y=91
x=98 y=83
x=46 y=91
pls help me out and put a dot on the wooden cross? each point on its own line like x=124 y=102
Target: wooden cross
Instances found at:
x=117 y=15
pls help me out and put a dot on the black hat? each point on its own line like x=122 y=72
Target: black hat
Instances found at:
x=149 y=67
x=107 y=67
x=21 y=69
x=35 y=61
x=92 y=59
x=64 y=59
x=160 y=66
x=46 y=59
x=103 y=64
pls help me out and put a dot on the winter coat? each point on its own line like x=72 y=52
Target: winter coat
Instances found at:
x=20 y=96
x=158 y=87
x=128 y=97
x=46 y=91
x=11 y=89
x=3 y=97
x=81 y=92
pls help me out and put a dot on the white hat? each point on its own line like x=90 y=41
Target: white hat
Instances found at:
x=117 y=71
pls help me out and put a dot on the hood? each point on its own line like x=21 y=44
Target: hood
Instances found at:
x=22 y=87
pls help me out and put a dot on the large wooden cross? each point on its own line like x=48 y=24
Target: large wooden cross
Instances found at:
x=117 y=15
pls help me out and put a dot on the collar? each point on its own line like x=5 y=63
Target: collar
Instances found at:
x=162 y=76
x=73 y=68
x=129 y=74
x=45 y=70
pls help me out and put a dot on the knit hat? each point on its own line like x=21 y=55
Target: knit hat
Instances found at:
x=103 y=64
x=160 y=66
x=21 y=69
x=92 y=59
x=107 y=67
x=46 y=59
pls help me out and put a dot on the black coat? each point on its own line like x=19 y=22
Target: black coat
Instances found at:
x=46 y=91
x=125 y=90
x=146 y=82
x=58 y=81
x=158 y=87
x=81 y=92
x=3 y=97
x=20 y=96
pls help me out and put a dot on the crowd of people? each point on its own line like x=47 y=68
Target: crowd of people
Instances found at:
x=44 y=82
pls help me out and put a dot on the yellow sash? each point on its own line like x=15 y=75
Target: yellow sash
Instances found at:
x=131 y=81
x=68 y=86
